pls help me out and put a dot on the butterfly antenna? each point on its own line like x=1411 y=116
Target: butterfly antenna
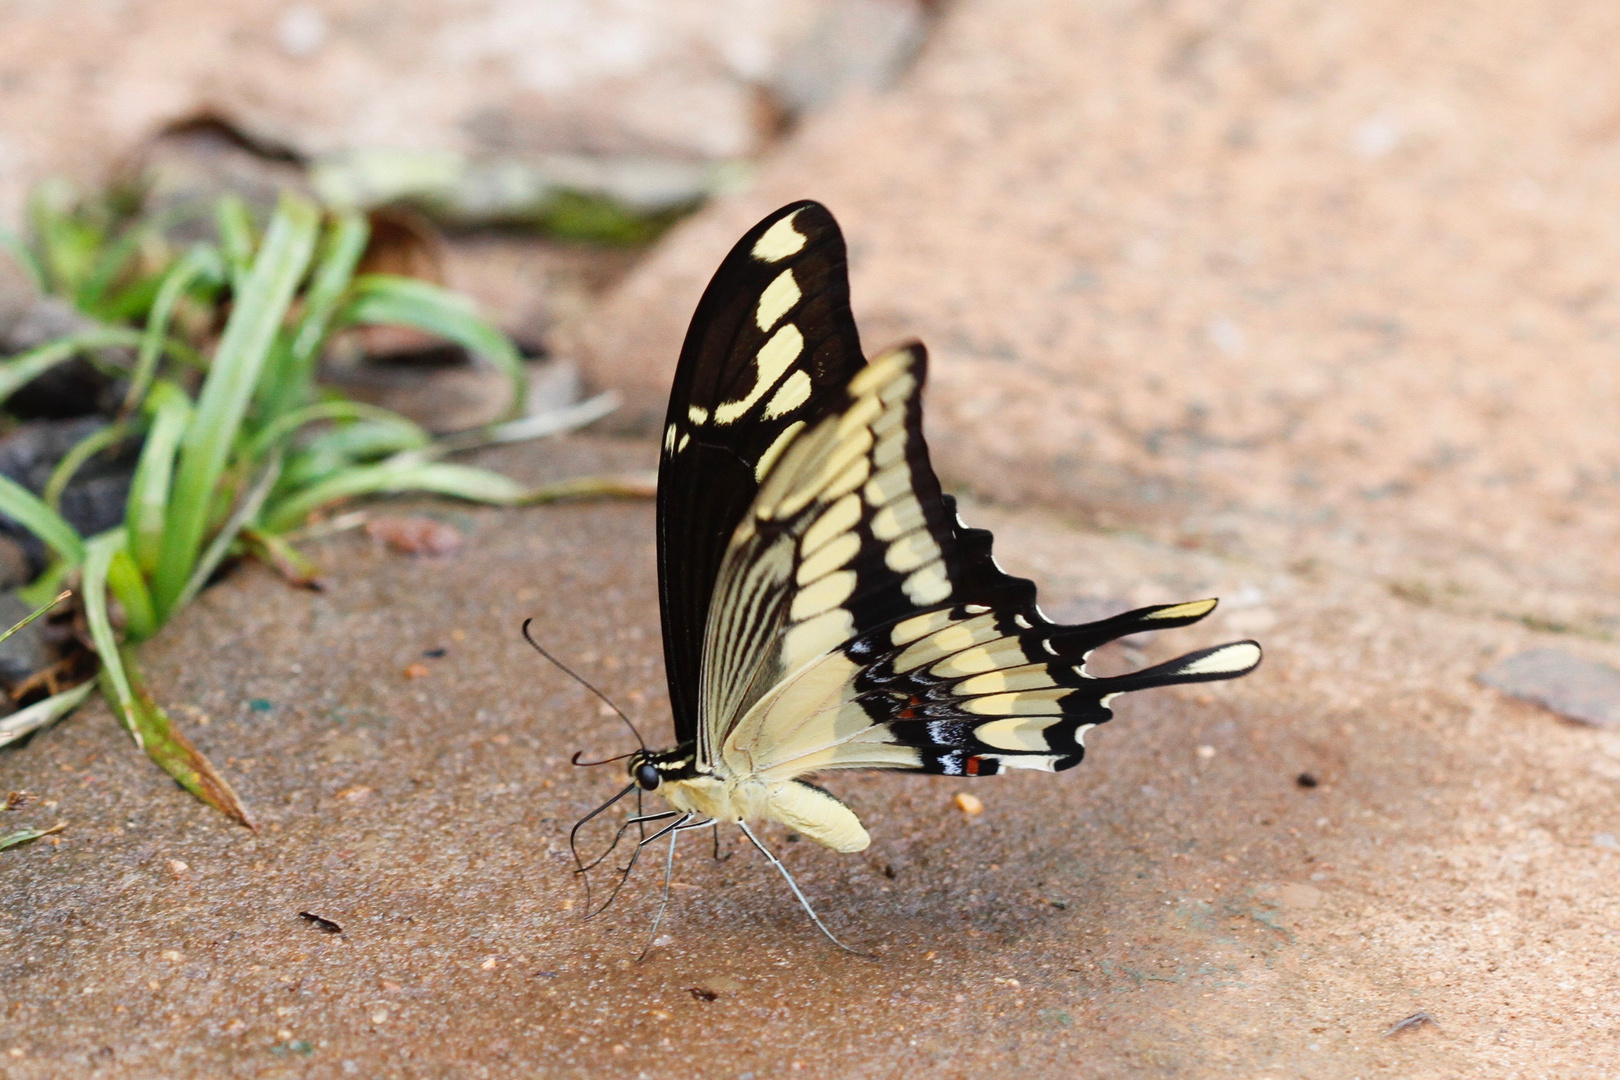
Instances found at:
x=794 y=885
x=573 y=838
x=577 y=677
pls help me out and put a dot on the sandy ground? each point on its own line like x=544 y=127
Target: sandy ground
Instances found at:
x=1162 y=910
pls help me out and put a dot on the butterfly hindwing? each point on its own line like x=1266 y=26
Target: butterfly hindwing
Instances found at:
x=771 y=347
x=859 y=624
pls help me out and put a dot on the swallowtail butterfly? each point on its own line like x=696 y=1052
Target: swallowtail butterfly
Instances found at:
x=824 y=607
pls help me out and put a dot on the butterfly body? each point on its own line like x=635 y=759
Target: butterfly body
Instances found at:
x=824 y=607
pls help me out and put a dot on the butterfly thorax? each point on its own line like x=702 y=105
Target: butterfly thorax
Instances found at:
x=694 y=787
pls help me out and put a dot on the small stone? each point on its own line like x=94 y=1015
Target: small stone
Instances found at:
x=1206 y=752
x=177 y=867
x=416 y=671
x=172 y=955
x=1584 y=691
x=971 y=805
x=415 y=534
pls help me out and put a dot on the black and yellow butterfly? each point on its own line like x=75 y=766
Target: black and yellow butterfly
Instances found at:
x=823 y=605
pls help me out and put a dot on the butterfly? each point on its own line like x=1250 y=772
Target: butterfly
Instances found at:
x=823 y=605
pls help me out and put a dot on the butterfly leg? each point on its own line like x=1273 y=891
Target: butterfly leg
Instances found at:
x=717 y=856
x=669 y=873
x=635 y=853
x=639 y=819
x=805 y=903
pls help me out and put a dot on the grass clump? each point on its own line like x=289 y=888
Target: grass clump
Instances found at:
x=238 y=443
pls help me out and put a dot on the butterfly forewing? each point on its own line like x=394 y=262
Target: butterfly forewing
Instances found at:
x=771 y=348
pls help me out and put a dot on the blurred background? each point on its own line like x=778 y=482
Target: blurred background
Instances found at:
x=1326 y=279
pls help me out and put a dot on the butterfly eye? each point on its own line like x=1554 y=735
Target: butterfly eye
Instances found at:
x=647 y=776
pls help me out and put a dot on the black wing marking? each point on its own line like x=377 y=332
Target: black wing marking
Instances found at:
x=859 y=624
x=769 y=351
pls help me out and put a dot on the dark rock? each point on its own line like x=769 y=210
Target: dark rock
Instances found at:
x=73 y=388
x=28 y=650
x=94 y=499
x=1581 y=690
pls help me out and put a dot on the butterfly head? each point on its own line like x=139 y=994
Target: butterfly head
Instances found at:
x=652 y=770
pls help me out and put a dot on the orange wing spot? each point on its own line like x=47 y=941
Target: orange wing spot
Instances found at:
x=971 y=766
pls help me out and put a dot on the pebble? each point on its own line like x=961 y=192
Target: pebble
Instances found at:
x=1584 y=691
x=970 y=805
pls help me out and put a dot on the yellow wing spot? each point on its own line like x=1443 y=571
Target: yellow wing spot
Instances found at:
x=838 y=518
x=1239 y=657
x=890 y=448
x=669 y=439
x=682 y=444
x=774 y=358
x=850 y=479
x=1003 y=653
x=889 y=485
x=1032 y=677
x=879 y=370
x=790 y=395
x=896 y=519
x=953 y=637
x=1195 y=609
x=1032 y=703
x=774 y=451
x=777 y=300
x=810 y=639
x=823 y=596
x=697 y=414
x=928 y=585
x=779 y=241
x=911 y=551
x=829 y=558
x=909 y=630
x=1022 y=733
x=859 y=415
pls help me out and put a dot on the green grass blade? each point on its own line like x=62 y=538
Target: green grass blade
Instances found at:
x=36 y=613
x=64 y=243
x=172 y=751
x=108 y=264
x=148 y=503
x=258 y=311
x=99 y=552
x=287 y=423
x=22 y=369
x=24 y=836
x=125 y=580
x=236 y=241
x=552 y=422
x=74 y=460
x=345 y=243
x=639 y=485
x=42 y=714
x=460 y=481
x=386 y=299
x=29 y=511
x=200 y=263
x=245 y=512
x=14 y=246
